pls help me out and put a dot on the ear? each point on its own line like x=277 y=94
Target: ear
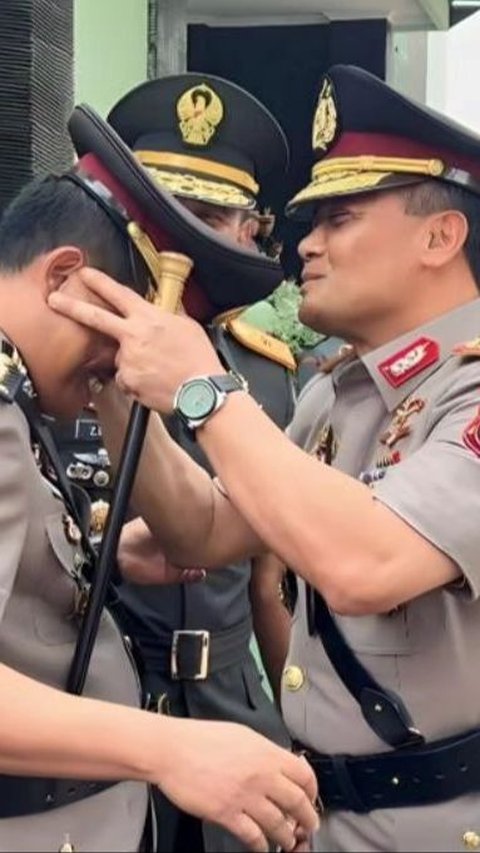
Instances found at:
x=445 y=237
x=248 y=231
x=60 y=264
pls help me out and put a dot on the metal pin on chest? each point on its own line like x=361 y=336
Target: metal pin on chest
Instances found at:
x=400 y=428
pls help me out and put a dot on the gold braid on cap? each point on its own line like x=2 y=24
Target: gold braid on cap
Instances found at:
x=354 y=174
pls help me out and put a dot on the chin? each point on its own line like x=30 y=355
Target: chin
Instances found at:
x=310 y=316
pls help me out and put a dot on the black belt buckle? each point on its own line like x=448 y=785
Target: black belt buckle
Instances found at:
x=190 y=657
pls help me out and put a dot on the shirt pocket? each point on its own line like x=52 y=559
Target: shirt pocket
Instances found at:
x=54 y=614
x=380 y=634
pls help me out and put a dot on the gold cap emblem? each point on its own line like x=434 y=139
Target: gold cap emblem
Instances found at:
x=293 y=678
x=325 y=118
x=199 y=112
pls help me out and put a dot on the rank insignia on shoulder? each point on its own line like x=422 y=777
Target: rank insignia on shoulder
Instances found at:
x=11 y=378
x=262 y=343
x=403 y=365
x=468 y=349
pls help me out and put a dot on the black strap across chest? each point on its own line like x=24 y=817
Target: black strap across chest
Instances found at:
x=384 y=711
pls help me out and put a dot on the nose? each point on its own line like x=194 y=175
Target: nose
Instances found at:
x=313 y=244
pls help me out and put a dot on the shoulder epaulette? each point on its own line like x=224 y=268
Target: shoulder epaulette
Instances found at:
x=344 y=354
x=469 y=349
x=11 y=378
x=262 y=343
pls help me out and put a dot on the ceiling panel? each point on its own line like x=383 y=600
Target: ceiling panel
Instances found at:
x=421 y=14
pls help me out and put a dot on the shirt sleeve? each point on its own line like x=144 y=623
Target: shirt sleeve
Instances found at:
x=436 y=490
x=14 y=445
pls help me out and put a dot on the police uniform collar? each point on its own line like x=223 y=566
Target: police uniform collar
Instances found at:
x=400 y=366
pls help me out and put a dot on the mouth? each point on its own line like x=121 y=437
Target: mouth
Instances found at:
x=307 y=278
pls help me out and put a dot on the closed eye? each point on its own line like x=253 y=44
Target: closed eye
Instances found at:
x=339 y=217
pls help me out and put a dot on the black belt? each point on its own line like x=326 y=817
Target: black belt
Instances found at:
x=22 y=795
x=414 y=776
x=195 y=655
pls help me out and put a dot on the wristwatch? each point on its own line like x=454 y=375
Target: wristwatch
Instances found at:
x=197 y=399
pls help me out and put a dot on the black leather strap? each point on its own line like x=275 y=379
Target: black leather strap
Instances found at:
x=415 y=776
x=382 y=709
x=26 y=796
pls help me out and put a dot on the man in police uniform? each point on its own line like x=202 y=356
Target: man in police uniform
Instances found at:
x=55 y=747
x=378 y=513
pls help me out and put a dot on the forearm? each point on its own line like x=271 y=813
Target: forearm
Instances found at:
x=189 y=517
x=320 y=521
x=169 y=487
x=271 y=619
x=46 y=732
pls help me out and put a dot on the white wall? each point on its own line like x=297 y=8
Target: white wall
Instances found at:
x=453 y=79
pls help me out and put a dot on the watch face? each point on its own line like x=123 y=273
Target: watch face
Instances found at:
x=197 y=399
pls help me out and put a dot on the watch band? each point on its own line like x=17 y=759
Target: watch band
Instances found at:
x=227 y=382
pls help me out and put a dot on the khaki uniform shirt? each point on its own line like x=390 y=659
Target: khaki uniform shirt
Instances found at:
x=424 y=464
x=38 y=631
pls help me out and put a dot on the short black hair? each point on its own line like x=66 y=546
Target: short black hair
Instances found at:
x=53 y=212
x=432 y=196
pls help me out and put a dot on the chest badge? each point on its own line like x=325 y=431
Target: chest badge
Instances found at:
x=400 y=427
x=402 y=366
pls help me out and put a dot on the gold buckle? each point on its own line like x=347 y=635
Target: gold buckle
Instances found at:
x=203 y=640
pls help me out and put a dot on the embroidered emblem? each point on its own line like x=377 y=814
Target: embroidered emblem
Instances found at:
x=325 y=118
x=199 y=112
x=400 y=428
x=469 y=348
x=410 y=361
x=471 y=434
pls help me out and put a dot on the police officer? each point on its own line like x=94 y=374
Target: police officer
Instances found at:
x=378 y=513
x=194 y=638
x=64 y=756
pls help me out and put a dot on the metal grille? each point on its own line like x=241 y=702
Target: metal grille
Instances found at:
x=36 y=90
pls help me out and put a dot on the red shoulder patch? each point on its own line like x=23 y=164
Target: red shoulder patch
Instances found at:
x=401 y=366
